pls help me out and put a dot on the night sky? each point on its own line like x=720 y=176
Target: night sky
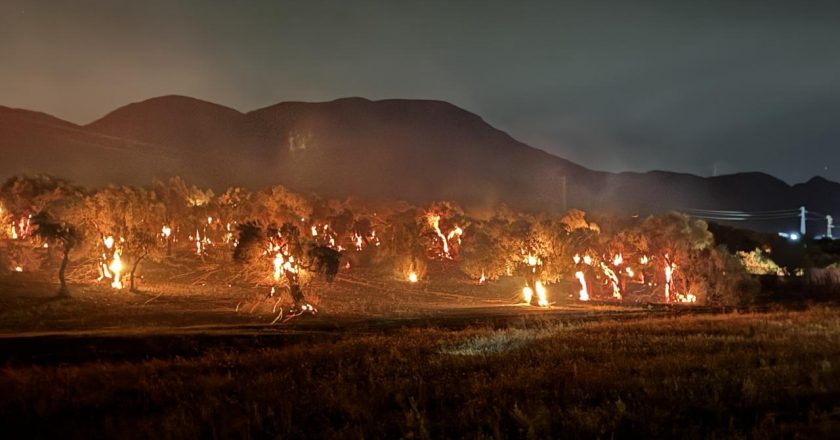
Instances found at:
x=702 y=87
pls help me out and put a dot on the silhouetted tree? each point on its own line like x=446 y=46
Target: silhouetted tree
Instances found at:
x=57 y=232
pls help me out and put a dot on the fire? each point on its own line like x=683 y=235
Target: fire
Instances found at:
x=445 y=239
x=483 y=279
x=610 y=274
x=541 y=292
x=116 y=269
x=229 y=235
x=165 y=231
x=111 y=267
x=532 y=260
x=669 y=270
x=21 y=229
x=542 y=295
x=412 y=277
x=618 y=260
x=455 y=233
x=687 y=298
x=644 y=259
x=18 y=269
x=527 y=294
x=201 y=243
x=358 y=241
x=584 y=292
x=278 y=268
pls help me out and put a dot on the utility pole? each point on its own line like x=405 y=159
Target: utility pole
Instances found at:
x=802 y=213
x=829 y=225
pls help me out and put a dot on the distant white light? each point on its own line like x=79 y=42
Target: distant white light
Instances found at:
x=794 y=236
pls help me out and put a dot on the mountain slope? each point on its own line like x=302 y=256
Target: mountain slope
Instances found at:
x=417 y=150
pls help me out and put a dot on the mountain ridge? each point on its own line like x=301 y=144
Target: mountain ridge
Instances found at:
x=418 y=150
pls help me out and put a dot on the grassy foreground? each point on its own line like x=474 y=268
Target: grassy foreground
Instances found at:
x=739 y=375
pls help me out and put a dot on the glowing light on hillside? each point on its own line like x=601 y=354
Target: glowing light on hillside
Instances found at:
x=412 y=277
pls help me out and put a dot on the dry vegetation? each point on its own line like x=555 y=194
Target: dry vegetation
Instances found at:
x=732 y=375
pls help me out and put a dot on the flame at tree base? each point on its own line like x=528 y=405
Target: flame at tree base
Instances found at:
x=539 y=290
x=584 y=292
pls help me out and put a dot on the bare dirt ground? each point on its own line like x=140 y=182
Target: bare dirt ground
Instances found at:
x=190 y=314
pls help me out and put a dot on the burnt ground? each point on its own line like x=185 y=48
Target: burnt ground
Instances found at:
x=187 y=318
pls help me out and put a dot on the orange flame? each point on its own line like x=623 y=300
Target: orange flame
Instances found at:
x=584 y=292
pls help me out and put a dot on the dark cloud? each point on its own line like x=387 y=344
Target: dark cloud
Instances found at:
x=687 y=86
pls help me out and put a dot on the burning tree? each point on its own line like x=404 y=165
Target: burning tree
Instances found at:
x=279 y=254
x=402 y=242
x=23 y=196
x=485 y=252
x=232 y=206
x=125 y=222
x=445 y=222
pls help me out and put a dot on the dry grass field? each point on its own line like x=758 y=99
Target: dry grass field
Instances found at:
x=195 y=358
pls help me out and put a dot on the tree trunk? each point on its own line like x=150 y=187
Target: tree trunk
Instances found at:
x=294 y=287
x=63 y=291
x=531 y=281
x=131 y=275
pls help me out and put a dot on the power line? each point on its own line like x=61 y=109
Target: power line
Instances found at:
x=731 y=212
